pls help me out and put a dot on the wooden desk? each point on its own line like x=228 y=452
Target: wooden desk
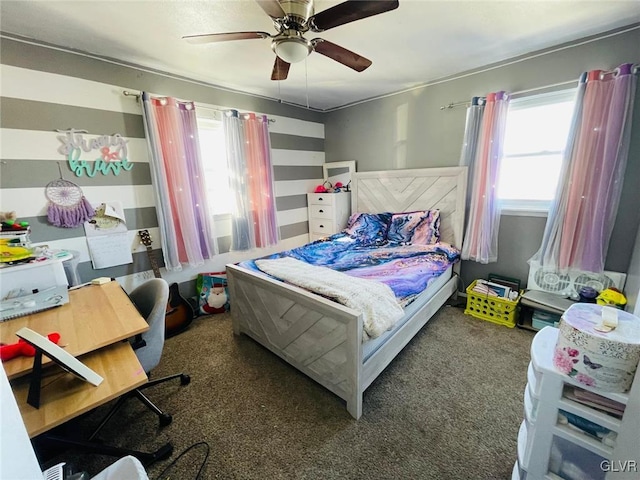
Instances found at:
x=64 y=396
x=91 y=326
x=96 y=316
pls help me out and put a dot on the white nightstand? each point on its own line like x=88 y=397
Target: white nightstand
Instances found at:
x=328 y=213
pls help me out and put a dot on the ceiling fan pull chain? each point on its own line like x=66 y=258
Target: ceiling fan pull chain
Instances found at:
x=306 y=82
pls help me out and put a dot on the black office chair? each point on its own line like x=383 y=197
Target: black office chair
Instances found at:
x=151 y=300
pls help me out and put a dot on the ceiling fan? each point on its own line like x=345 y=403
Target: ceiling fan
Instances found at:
x=292 y=18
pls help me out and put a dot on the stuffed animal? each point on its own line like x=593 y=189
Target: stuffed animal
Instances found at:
x=216 y=299
x=8 y=221
x=4 y=216
x=22 y=348
x=611 y=297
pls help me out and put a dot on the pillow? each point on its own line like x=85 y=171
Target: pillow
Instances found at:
x=368 y=228
x=417 y=228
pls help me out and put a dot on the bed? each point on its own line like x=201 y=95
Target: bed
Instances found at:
x=324 y=339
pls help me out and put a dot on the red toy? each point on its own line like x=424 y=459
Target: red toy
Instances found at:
x=22 y=348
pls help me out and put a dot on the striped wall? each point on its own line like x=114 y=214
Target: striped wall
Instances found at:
x=37 y=98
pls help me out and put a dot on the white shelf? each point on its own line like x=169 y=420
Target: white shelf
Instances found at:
x=590 y=414
x=583 y=440
x=543 y=398
x=529 y=410
x=514 y=473
x=522 y=445
x=542 y=348
x=552 y=476
x=532 y=380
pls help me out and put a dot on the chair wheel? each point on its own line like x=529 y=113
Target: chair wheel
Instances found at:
x=165 y=419
x=185 y=379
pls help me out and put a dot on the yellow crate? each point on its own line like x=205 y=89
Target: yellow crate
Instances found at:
x=492 y=309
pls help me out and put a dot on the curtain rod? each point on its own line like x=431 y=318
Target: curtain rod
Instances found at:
x=137 y=96
x=634 y=70
x=127 y=93
x=512 y=94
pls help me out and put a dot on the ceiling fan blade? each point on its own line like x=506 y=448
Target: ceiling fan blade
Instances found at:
x=224 y=37
x=340 y=54
x=272 y=8
x=280 y=69
x=349 y=11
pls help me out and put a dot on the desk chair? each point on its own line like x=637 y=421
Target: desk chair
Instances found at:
x=151 y=300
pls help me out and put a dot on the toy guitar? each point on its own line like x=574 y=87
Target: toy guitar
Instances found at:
x=179 y=311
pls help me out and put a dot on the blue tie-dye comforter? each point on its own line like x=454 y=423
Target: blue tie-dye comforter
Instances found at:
x=407 y=269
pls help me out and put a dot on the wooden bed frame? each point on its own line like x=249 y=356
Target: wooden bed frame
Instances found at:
x=323 y=339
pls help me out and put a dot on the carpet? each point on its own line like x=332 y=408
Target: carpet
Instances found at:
x=448 y=407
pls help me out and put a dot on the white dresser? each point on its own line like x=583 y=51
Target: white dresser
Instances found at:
x=328 y=213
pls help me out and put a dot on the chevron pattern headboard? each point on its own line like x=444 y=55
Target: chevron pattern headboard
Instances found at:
x=415 y=189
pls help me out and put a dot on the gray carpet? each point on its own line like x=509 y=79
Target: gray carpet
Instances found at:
x=448 y=407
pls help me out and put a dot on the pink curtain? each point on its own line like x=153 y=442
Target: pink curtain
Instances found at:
x=481 y=235
x=581 y=220
x=254 y=222
x=178 y=179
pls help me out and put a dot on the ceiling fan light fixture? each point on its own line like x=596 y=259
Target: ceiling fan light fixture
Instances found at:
x=292 y=49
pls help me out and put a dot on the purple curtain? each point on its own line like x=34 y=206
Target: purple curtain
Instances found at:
x=178 y=179
x=581 y=219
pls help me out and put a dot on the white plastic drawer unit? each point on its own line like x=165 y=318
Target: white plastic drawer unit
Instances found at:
x=328 y=213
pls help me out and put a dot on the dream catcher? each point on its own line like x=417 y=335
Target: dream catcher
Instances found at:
x=67 y=205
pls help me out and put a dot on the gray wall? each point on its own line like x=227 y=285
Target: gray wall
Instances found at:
x=45 y=89
x=408 y=130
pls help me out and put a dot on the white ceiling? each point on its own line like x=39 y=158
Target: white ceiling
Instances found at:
x=419 y=42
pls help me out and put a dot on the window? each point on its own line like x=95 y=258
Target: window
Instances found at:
x=214 y=159
x=535 y=138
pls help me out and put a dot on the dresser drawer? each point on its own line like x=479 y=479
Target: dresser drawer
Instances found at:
x=321 y=226
x=321 y=198
x=321 y=211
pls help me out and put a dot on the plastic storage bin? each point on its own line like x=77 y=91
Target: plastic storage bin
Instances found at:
x=540 y=319
x=492 y=309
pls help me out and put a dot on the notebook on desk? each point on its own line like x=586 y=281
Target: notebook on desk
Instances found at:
x=32 y=303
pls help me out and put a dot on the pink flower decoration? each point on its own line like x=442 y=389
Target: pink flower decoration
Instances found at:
x=572 y=352
x=586 y=380
x=562 y=361
x=108 y=155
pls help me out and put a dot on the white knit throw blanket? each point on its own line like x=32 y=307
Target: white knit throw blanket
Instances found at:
x=379 y=307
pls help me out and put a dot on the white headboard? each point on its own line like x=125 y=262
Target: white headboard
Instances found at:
x=415 y=189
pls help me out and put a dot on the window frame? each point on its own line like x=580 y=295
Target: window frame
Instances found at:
x=524 y=207
x=206 y=114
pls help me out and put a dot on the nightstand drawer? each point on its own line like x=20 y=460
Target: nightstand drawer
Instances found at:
x=316 y=236
x=321 y=211
x=322 y=226
x=321 y=198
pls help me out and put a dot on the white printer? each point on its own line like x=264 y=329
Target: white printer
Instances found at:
x=34 y=286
